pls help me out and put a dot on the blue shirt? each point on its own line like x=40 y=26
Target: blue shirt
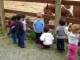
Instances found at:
x=38 y=25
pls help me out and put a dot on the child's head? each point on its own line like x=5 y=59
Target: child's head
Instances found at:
x=20 y=17
x=13 y=18
x=75 y=28
x=46 y=29
x=62 y=22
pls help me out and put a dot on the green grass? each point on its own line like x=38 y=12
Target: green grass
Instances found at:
x=9 y=51
x=30 y=35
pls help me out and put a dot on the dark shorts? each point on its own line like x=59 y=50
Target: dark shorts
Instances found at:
x=38 y=38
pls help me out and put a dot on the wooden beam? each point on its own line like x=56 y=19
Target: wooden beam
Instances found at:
x=67 y=2
x=16 y=12
x=71 y=2
x=73 y=20
x=2 y=14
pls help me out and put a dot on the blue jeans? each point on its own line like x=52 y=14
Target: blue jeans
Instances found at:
x=13 y=36
x=21 y=39
x=25 y=35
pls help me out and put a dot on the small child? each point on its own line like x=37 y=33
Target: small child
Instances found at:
x=61 y=35
x=66 y=28
x=38 y=26
x=20 y=31
x=12 y=28
x=46 y=38
x=73 y=39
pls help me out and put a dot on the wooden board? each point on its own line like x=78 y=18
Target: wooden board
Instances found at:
x=24 y=6
x=67 y=2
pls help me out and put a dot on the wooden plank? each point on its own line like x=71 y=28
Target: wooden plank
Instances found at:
x=15 y=11
x=24 y=6
x=71 y=2
x=2 y=16
x=67 y=2
x=73 y=20
x=76 y=11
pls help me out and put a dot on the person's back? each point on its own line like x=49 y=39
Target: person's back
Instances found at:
x=19 y=27
x=61 y=35
x=38 y=25
x=61 y=32
x=12 y=28
x=20 y=31
x=47 y=38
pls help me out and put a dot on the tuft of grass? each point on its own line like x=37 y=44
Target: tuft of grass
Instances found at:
x=30 y=35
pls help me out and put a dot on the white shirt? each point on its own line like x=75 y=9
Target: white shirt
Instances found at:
x=72 y=37
x=47 y=38
x=24 y=25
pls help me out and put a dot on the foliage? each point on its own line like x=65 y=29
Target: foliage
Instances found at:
x=30 y=35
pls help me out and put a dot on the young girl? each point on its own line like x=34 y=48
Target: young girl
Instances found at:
x=73 y=38
x=12 y=28
x=46 y=38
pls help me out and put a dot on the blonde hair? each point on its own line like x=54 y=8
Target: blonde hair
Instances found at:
x=75 y=27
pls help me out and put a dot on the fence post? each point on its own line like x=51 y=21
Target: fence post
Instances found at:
x=2 y=15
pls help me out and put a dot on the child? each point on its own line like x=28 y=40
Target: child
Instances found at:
x=12 y=28
x=20 y=31
x=66 y=28
x=38 y=26
x=61 y=35
x=24 y=23
x=73 y=38
x=46 y=38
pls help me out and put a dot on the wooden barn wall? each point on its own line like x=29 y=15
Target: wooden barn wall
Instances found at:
x=77 y=11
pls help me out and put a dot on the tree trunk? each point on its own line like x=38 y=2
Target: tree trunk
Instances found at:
x=57 y=14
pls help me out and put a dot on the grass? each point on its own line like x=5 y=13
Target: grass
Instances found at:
x=9 y=51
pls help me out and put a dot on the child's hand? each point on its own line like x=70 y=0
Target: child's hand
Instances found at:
x=66 y=37
x=78 y=36
x=12 y=27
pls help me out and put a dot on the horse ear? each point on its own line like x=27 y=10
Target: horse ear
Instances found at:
x=47 y=5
